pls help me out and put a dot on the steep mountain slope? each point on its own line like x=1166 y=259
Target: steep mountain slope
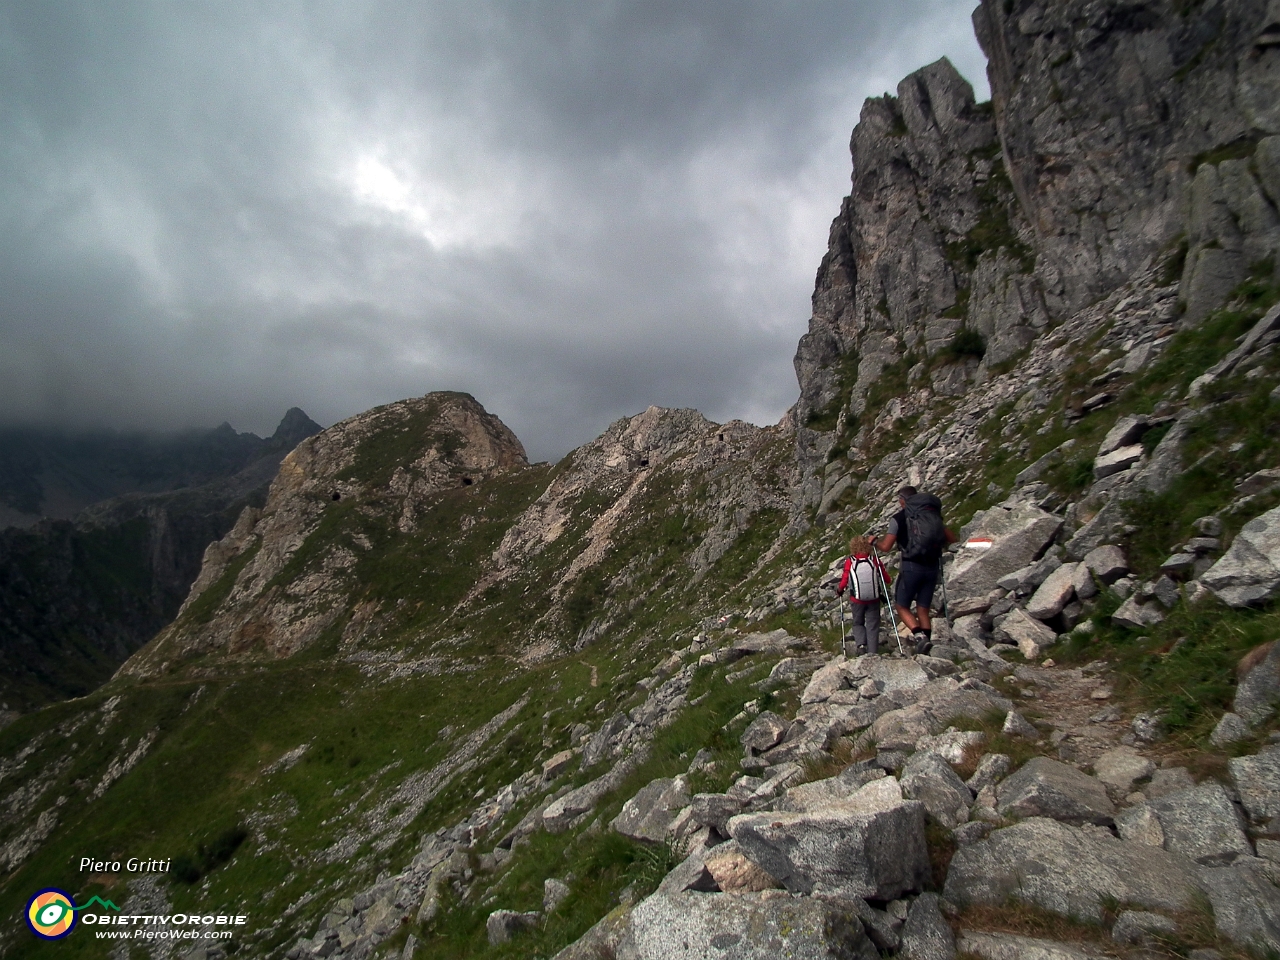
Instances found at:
x=78 y=597
x=432 y=697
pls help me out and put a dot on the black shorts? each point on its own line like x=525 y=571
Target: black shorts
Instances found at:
x=916 y=581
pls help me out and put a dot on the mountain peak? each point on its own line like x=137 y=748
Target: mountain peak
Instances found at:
x=295 y=426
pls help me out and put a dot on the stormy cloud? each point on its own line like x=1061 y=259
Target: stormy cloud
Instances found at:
x=571 y=210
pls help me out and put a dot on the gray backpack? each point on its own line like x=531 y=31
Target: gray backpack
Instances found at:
x=864 y=585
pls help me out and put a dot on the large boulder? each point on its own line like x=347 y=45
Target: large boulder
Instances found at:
x=1116 y=461
x=749 y=926
x=1083 y=584
x=1072 y=871
x=825 y=682
x=1128 y=430
x=1200 y=823
x=764 y=732
x=820 y=793
x=691 y=873
x=1246 y=904
x=1054 y=594
x=937 y=705
x=647 y=816
x=927 y=935
x=561 y=814
x=992 y=768
x=733 y=872
x=1120 y=768
x=1038 y=469
x=602 y=939
x=889 y=675
x=502 y=925
x=601 y=743
x=1107 y=563
x=929 y=778
x=714 y=809
x=1230 y=729
x=1136 y=615
x=1259 y=689
x=1049 y=788
x=1012 y=946
x=1249 y=572
x=997 y=542
x=1257 y=781
x=1168 y=780
x=1138 y=926
x=1026 y=580
x=775 y=641
x=871 y=845
x=1029 y=634
x=954 y=746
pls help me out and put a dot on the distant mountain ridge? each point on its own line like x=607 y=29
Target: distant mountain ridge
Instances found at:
x=54 y=474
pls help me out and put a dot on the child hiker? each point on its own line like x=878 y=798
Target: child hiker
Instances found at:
x=862 y=574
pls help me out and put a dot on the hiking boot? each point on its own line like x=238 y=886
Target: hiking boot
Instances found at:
x=921 y=641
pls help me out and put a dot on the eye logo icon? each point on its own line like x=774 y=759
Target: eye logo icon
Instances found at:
x=51 y=914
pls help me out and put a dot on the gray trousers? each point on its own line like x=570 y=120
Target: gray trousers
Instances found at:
x=865 y=618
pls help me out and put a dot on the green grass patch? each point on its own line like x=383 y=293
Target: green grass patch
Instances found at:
x=1183 y=667
x=1236 y=150
x=204 y=606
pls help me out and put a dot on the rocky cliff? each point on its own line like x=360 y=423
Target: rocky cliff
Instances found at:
x=1126 y=145
x=78 y=596
x=433 y=700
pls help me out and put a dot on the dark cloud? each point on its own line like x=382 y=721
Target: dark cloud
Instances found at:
x=569 y=209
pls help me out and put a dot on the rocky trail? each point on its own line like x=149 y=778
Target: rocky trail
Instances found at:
x=1078 y=702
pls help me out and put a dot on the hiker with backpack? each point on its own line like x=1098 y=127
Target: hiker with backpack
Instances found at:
x=863 y=575
x=918 y=531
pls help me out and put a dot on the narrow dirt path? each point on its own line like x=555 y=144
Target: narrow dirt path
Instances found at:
x=1080 y=705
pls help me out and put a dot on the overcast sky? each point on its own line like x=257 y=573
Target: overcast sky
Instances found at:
x=570 y=209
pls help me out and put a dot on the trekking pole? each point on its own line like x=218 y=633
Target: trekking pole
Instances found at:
x=942 y=579
x=844 y=645
x=888 y=601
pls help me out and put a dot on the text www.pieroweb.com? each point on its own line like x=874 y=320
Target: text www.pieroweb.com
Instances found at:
x=151 y=927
